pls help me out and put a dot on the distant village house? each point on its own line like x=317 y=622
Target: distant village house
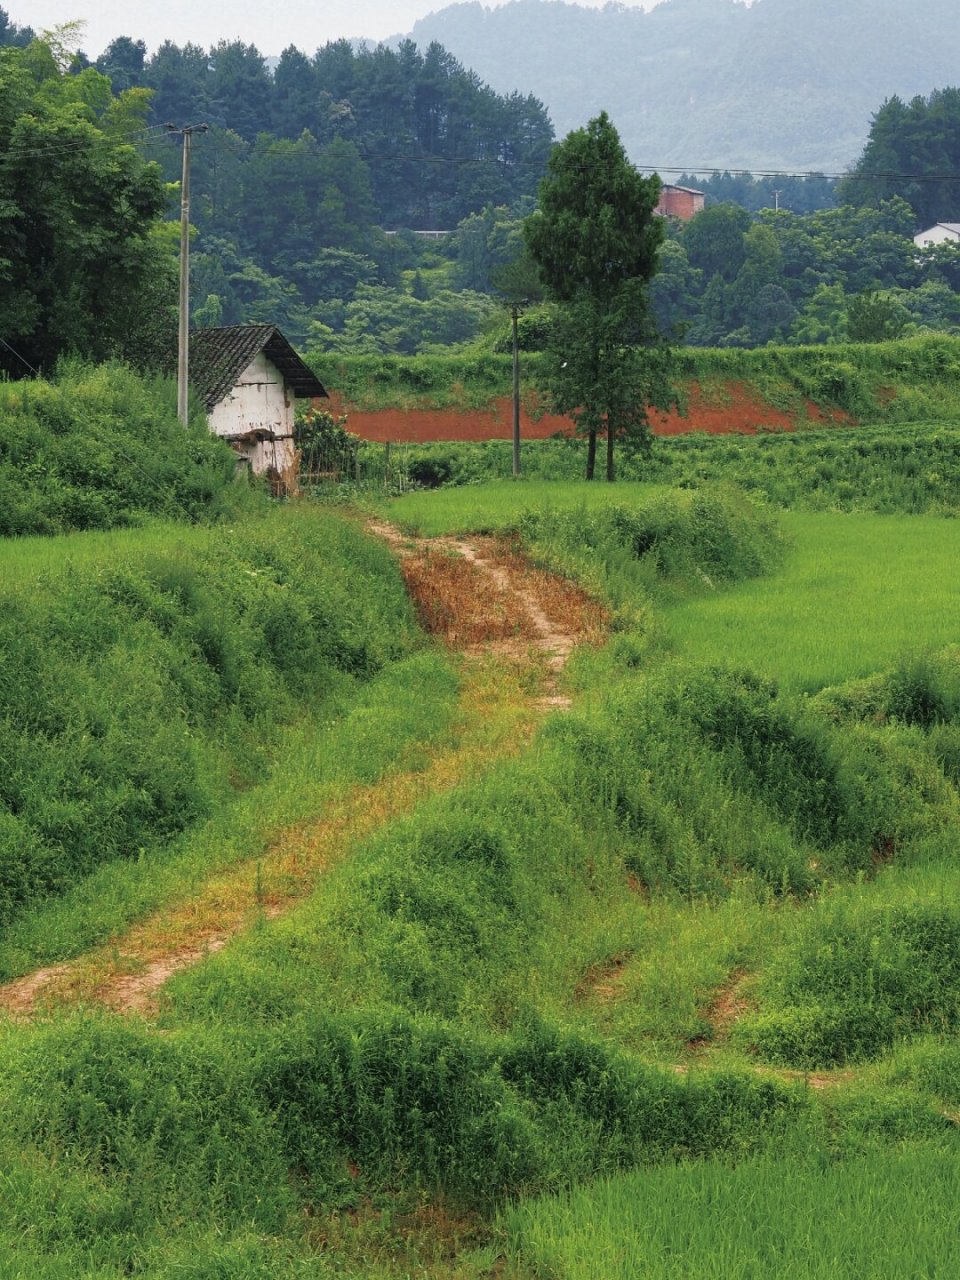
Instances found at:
x=679 y=202
x=939 y=233
x=248 y=378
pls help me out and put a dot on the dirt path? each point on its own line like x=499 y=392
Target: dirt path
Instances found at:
x=515 y=626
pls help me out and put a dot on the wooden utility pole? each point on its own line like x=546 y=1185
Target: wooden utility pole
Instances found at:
x=183 y=336
x=515 y=313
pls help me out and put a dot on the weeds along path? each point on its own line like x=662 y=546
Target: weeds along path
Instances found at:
x=514 y=625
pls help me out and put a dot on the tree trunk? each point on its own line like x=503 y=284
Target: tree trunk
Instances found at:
x=609 y=451
x=591 y=452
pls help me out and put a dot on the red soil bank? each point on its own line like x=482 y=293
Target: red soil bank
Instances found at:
x=740 y=409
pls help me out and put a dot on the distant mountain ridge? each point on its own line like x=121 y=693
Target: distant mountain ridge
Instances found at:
x=705 y=84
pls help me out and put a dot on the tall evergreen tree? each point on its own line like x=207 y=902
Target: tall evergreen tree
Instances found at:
x=913 y=152
x=595 y=239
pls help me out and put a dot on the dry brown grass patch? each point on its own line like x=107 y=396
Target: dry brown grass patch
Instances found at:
x=456 y=600
x=603 y=982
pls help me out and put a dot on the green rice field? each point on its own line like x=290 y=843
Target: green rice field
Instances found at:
x=855 y=594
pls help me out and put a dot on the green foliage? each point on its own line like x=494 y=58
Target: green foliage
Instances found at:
x=875 y=317
x=135 y=687
x=886 y=593
x=910 y=148
x=437 y=381
x=383 y=321
x=324 y=445
x=692 y=864
x=99 y=448
x=857 y=979
x=594 y=240
x=80 y=270
x=714 y=535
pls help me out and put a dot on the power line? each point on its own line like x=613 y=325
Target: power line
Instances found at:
x=128 y=138
x=280 y=148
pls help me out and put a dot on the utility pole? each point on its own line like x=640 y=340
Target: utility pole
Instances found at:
x=183 y=335
x=515 y=313
x=776 y=201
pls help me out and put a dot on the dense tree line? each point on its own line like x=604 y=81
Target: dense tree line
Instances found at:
x=314 y=175
x=11 y=34
x=913 y=152
x=434 y=141
x=801 y=193
x=84 y=266
x=732 y=278
x=310 y=177
x=309 y=168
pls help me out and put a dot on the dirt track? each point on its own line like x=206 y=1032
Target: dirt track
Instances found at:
x=483 y=599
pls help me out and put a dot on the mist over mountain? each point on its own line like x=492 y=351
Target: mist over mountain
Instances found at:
x=705 y=84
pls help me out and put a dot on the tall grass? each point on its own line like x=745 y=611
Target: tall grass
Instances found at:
x=138 y=693
x=860 y=972
x=797 y=1217
x=101 y=447
x=855 y=594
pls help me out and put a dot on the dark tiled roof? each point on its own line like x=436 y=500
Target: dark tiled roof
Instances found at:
x=219 y=356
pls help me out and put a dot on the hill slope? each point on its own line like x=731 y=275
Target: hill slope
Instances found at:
x=704 y=84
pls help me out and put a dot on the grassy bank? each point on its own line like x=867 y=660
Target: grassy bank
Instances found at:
x=99 y=448
x=151 y=677
x=905 y=381
x=564 y=1016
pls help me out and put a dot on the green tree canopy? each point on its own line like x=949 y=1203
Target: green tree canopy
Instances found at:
x=913 y=151
x=81 y=267
x=595 y=239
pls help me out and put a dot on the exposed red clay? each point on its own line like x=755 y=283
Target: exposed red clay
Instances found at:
x=735 y=409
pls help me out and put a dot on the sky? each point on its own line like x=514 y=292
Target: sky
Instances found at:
x=308 y=24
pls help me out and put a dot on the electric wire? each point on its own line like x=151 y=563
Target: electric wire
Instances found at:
x=222 y=138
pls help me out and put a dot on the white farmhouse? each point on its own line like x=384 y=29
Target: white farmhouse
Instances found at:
x=248 y=377
x=939 y=233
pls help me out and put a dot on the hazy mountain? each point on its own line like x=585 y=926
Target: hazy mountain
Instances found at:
x=703 y=84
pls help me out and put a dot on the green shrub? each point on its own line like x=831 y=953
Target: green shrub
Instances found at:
x=714 y=536
x=856 y=981
x=100 y=448
x=174 y=1124
x=405 y=1101
x=483 y=1119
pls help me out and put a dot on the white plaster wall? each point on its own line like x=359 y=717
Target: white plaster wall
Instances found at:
x=258 y=402
x=935 y=235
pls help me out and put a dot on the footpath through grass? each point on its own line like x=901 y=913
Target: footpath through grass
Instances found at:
x=695 y=940
x=159 y=684
x=790 y=864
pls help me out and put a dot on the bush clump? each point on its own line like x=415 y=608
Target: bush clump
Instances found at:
x=713 y=536
x=138 y=689
x=858 y=979
x=102 y=447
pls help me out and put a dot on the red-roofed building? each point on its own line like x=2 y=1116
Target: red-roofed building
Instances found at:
x=679 y=202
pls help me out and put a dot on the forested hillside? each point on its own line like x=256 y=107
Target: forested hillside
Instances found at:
x=316 y=172
x=704 y=84
x=308 y=166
